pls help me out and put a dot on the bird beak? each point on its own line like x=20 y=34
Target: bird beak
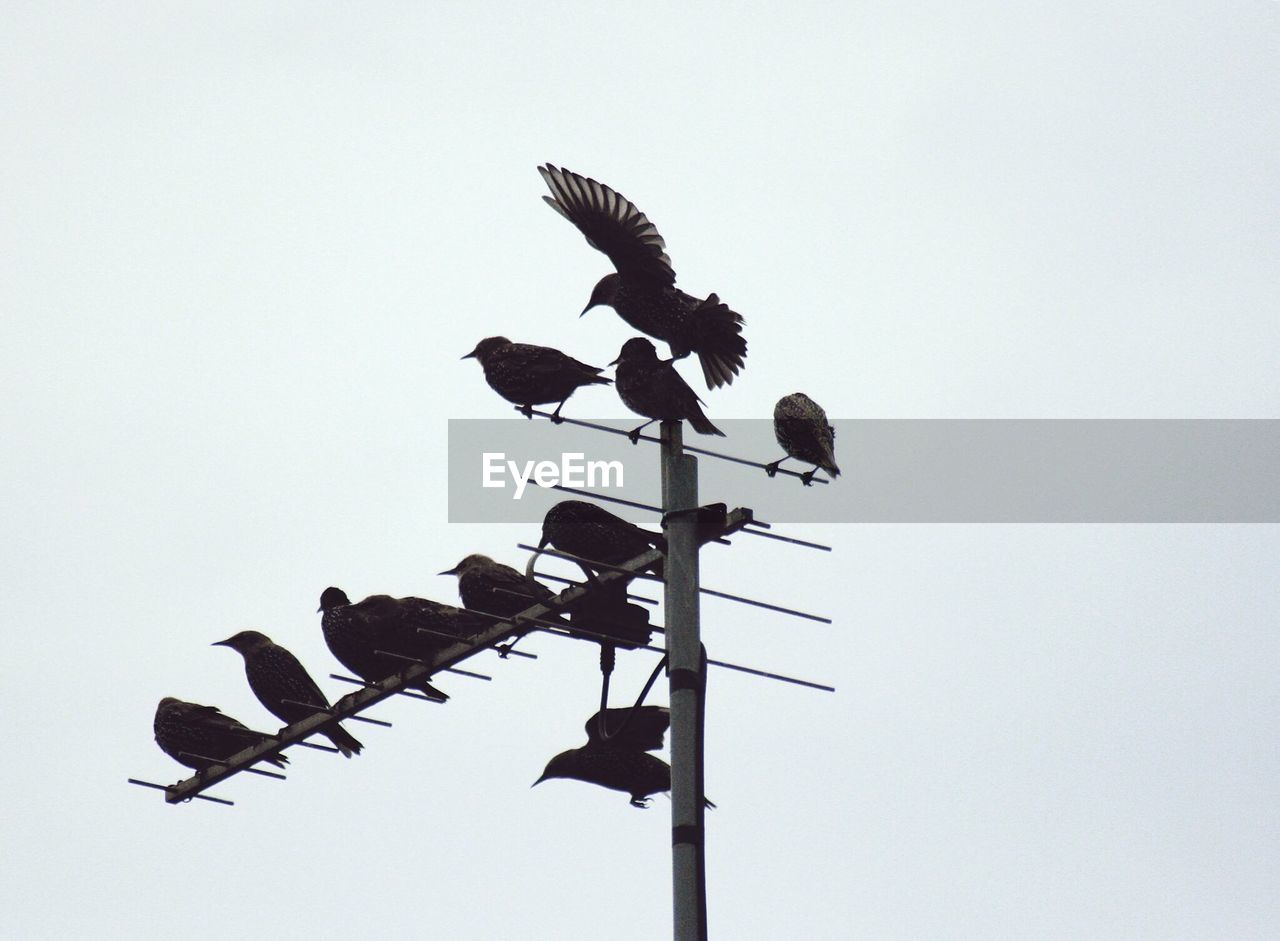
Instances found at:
x=471 y=355
x=587 y=308
x=616 y=361
x=221 y=643
x=452 y=571
x=319 y=609
x=539 y=781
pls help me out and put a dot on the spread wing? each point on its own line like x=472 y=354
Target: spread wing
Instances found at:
x=643 y=730
x=612 y=224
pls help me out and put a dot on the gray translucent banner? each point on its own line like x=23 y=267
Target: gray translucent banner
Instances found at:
x=897 y=471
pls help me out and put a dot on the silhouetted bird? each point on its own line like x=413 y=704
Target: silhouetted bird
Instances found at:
x=489 y=586
x=643 y=290
x=528 y=375
x=801 y=427
x=199 y=736
x=651 y=387
x=283 y=685
x=623 y=764
x=584 y=529
x=367 y=636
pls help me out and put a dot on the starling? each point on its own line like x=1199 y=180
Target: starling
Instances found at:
x=651 y=387
x=622 y=764
x=528 y=375
x=801 y=427
x=584 y=529
x=367 y=636
x=643 y=290
x=199 y=736
x=494 y=588
x=283 y=685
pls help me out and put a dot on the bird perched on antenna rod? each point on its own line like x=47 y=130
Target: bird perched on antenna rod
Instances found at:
x=528 y=375
x=801 y=427
x=643 y=290
x=495 y=588
x=283 y=685
x=200 y=736
x=651 y=387
x=596 y=535
x=374 y=638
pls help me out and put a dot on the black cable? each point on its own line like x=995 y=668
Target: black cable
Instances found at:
x=608 y=657
x=605 y=736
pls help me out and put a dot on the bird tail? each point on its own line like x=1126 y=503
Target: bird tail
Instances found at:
x=702 y=424
x=430 y=690
x=344 y=741
x=716 y=336
x=828 y=462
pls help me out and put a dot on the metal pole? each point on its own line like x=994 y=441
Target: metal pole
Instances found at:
x=684 y=663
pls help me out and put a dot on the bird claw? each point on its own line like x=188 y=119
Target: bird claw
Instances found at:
x=807 y=479
x=641 y=802
x=771 y=470
x=634 y=435
x=526 y=411
x=557 y=419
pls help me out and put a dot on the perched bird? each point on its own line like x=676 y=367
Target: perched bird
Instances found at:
x=199 y=736
x=528 y=375
x=802 y=429
x=494 y=588
x=283 y=685
x=586 y=530
x=651 y=387
x=621 y=762
x=372 y=638
x=643 y=290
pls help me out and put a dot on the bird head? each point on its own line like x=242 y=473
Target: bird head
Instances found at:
x=473 y=561
x=561 y=766
x=636 y=350
x=244 y=642
x=486 y=348
x=604 y=293
x=333 y=598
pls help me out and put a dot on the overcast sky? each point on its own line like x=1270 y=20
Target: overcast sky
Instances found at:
x=244 y=248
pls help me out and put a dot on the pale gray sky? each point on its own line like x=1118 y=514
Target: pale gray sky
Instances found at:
x=245 y=246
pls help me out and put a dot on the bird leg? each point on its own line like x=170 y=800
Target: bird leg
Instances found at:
x=771 y=470
x=555 y=416
x=634 y=433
